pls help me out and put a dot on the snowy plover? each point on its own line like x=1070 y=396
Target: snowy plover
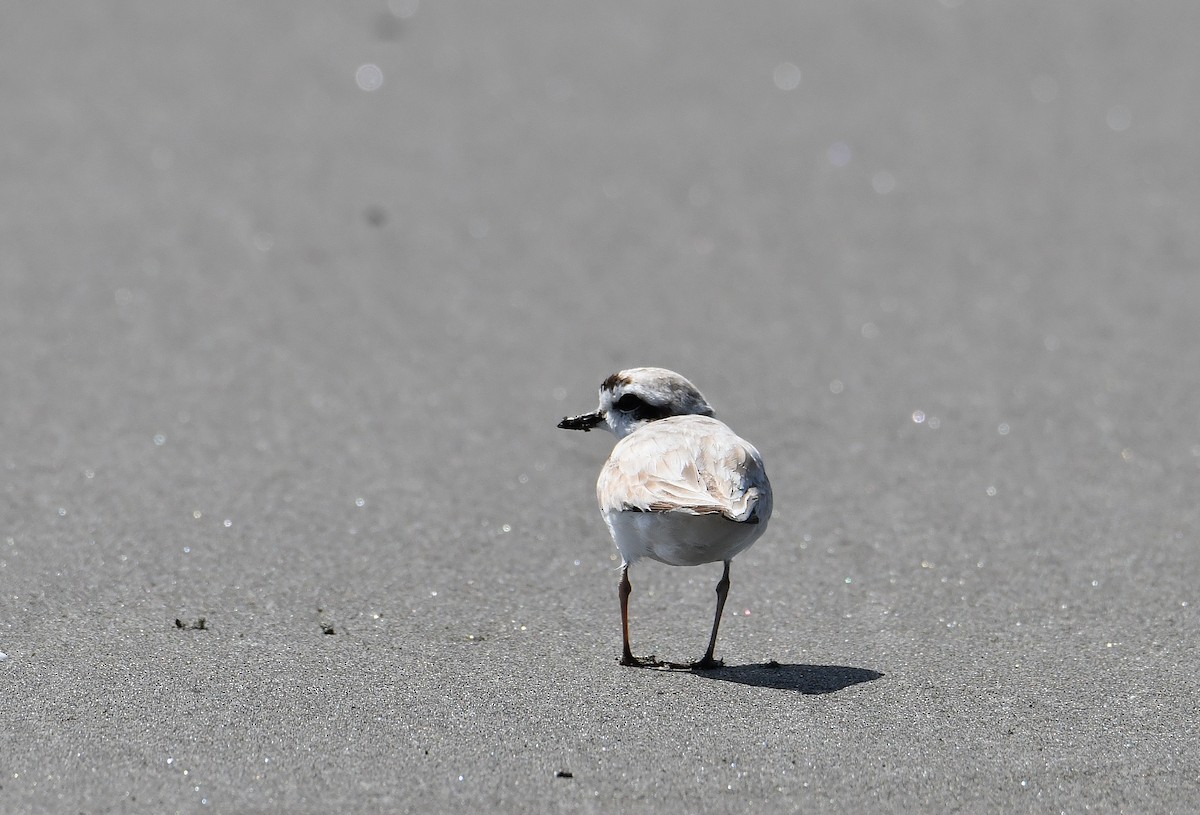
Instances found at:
x=680 y=487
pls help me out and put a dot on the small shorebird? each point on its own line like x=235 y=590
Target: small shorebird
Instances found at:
x=680 y=487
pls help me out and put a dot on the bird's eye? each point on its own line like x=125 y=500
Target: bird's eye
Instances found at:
x=629 y=403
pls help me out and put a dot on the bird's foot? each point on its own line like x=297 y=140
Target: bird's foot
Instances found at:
x=642 y=662
x=653 y=662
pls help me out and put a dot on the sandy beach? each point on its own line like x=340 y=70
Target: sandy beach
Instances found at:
x=293 y=295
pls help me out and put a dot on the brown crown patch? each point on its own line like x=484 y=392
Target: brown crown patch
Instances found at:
x=615 y=381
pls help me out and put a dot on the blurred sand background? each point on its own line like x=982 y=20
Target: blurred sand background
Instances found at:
x=293 y=294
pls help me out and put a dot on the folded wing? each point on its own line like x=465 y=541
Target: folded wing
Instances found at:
x=694 y=466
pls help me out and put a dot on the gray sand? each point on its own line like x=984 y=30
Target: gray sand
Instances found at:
x=286 y=356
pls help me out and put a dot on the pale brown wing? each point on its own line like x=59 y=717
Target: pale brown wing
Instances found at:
x=688 y=464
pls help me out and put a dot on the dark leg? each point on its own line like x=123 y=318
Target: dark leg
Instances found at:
x=722 y=593
x=623 y=591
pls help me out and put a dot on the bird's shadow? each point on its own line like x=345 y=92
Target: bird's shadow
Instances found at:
x=808 y=679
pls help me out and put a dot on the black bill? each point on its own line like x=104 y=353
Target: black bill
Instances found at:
x=584 y=422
